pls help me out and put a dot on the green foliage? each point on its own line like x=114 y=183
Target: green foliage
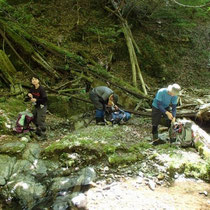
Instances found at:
x=106 y=34
x=2 y=124
x=117 y=159
x=13 y=106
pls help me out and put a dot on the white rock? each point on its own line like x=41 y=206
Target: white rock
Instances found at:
x=152 y=185
x=79 y=201
x=24 y=139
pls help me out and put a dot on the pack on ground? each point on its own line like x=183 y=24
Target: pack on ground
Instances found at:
x=182 y=132
x=117 y=116
x=23 y=122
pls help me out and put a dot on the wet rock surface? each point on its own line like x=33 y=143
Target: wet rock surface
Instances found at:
x=57 y=173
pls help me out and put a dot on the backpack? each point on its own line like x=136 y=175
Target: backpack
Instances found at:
x=23 y=122
x=117 y=116
x=182 y=132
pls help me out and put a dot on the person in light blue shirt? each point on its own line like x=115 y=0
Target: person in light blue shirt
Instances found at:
x=160 y=107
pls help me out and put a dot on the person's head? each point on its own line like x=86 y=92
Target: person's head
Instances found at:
x=35 y=81
x=114 y=98
x=174 y=89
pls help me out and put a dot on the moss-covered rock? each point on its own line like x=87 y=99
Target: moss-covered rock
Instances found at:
x=125 y=158
x=66 y=106
x=12 y=147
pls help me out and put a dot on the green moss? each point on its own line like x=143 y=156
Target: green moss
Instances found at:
x=117 y=159
x=2 y=124
x=13 y=106
x=190 y=166
x=66 y=106
x=12 y=147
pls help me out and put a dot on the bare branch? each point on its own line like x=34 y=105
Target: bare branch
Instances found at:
x=183 y=5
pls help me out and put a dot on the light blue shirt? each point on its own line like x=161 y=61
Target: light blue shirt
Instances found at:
x=165 y=99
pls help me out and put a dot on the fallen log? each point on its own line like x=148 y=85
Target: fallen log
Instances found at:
x=201 y=140
x=25 y=46
x=80 y=62
x=7 y=69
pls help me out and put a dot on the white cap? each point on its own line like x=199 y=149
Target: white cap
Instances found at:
x=175 y=89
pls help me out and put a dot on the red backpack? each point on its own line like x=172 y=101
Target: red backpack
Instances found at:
x=23 y=122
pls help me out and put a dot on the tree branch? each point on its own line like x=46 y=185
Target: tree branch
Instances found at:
x=183 y=5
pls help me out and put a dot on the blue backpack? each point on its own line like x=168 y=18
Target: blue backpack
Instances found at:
x=118 y=116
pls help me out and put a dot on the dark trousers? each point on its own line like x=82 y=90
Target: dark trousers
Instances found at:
x=39 y=119
x=159 y=118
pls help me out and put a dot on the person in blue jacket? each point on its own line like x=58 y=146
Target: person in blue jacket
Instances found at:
x=101 y=97
x=161 y=107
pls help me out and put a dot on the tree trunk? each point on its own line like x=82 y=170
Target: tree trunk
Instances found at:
x=7 y=69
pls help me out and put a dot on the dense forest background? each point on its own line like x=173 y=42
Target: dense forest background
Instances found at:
x=173 y=38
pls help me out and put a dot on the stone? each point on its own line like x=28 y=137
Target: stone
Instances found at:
x=80 y=201
x=6 y=167
x=12 y=147
x=152 y=185
x=24 y=139
x=161 y=176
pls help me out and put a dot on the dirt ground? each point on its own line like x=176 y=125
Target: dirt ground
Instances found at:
x=129 y=195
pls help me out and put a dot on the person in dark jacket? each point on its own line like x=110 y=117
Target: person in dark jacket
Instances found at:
x=101 y=97
x=160 y=107
x=37 y=95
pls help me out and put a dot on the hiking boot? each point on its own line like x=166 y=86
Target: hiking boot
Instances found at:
x=100 y=121
x=38 y=132
x=43 y=137
x=158 y=141
x=171 y=140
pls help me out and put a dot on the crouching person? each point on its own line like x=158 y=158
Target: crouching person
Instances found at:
x=37 y=95
x=101 y=97
x=160 y=108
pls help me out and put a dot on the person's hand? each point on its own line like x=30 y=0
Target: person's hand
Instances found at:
x=33 y=100
x=116 y=107
x=173 y=120
x=30 y=95
x=169 y=115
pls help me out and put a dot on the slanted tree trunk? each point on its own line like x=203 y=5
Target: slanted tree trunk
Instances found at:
x=25 y=46
x=131 y=44
x=7 y=69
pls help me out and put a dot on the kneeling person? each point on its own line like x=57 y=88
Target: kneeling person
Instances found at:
x=101 y=97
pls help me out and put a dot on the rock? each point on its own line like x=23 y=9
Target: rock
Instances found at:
x=87 y=176
x=6 y=167
x=141 y=174
x=63 y=183
x=24 y=139
x=161 y=176
x=80 y=201
x=152 y=185
x=26 y=190
x=204 y=193
x=62 y=202
x=139 y=180
x=12 y=147
x=106 y=168
x=2 y=181
x=32 y=152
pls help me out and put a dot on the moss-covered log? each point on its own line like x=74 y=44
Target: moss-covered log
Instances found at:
x=14 y=32
x=82 y=63
x=7 y=69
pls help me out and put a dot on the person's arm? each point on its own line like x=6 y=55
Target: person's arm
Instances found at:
x=174 y=104
x=29 y=96
x=160 y=106
x=174 y=110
